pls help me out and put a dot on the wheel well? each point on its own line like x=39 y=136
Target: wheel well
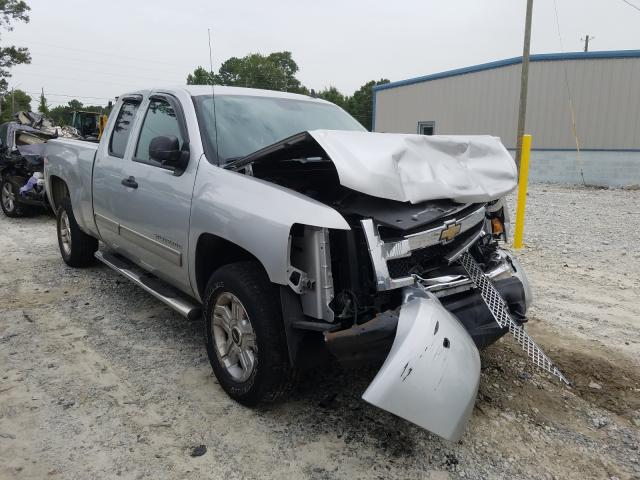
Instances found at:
x=59 y=191
x=213 y=252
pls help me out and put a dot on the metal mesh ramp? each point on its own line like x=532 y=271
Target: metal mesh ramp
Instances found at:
x=500 y=312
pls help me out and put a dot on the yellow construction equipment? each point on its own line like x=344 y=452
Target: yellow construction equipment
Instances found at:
x=89 y=124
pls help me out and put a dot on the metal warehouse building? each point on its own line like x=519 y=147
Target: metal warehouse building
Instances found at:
x=598 y=92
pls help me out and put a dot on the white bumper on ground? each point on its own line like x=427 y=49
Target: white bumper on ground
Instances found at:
x=432 y=372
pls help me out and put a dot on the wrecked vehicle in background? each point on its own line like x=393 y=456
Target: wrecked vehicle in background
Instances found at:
x=22 y=186
x=298 y=236
x=21 y=166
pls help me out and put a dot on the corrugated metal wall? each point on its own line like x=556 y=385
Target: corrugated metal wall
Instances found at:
x=605 y=93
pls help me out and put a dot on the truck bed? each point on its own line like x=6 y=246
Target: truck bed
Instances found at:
x=72 y=161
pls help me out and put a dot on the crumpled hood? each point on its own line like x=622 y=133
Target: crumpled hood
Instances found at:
x=416 y=168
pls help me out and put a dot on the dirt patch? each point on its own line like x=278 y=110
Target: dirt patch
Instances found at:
x=599 y=376
x=611 y=383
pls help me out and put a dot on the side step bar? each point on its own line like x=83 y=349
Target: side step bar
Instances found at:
x=177 y=300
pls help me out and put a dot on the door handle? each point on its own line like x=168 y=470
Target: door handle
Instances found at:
x=129 y=182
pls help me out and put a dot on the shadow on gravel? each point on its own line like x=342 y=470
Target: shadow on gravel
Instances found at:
x=327 y=401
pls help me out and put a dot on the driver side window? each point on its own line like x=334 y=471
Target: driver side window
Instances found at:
x=160 y=119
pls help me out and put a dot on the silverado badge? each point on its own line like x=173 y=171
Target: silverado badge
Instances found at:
x=449 y=232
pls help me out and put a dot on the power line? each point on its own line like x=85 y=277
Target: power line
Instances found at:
x=82 y=81
x=70 y=96
x=631 y=5
x=98 y=72
x=99 y=62
x=50 y=45
x=58 y=102
x=568 y=87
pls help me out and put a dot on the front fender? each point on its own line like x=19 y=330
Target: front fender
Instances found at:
x=253 y=214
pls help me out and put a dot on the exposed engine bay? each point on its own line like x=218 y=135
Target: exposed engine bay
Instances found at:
x=348 y=277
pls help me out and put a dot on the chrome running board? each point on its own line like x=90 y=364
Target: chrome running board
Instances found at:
x=167 y=294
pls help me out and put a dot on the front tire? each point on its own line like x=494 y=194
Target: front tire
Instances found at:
x=244 y=334
x=76 y=247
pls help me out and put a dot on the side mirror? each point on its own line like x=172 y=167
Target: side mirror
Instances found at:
x=166 y=150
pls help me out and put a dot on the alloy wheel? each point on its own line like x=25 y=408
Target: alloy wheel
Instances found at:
x=65 y=233
x=8 y=197
x=234 y=337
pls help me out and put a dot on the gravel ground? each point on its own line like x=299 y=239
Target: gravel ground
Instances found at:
x=100 y=380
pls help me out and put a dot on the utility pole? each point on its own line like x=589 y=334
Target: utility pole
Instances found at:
x=13 y=102
x=524 y=82
x=586 y=42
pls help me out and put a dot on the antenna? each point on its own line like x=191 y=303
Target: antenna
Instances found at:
x=213 y=93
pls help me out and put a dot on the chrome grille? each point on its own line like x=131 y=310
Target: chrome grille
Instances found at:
x=421 y=244
x=429 y=257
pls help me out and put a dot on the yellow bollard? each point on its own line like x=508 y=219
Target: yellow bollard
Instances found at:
x=522 y=191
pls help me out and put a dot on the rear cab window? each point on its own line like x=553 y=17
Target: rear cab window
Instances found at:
x=122 y=129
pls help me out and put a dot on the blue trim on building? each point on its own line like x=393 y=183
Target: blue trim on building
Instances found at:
x=541 y=57
x=616 y=150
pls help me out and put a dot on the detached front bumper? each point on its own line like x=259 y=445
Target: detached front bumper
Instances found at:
x=432 y=372
x=432 y=369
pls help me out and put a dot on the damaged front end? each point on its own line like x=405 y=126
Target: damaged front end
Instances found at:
x=406 y=283
x=432 y=369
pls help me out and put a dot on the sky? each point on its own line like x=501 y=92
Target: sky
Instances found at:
x=89 y=49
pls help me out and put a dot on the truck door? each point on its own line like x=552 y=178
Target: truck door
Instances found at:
x=156 y=201
x=111 y=157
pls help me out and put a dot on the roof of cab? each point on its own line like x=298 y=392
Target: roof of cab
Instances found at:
x=198 y=90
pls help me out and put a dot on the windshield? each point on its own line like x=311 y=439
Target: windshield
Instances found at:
x=248 y=123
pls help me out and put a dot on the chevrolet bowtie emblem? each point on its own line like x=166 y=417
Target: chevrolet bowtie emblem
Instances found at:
x=449 y=232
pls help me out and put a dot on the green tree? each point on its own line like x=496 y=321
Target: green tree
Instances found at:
x=75 y=104
x=333 y=95
x=43 y=106
x=12 y=10
x=287 y=69
x=14 y=101
x=200 y=76
x=276 y=71
x=360 y=106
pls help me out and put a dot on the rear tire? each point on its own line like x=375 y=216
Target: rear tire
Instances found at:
x=9 y=193
x=76 y=247
x=255 y=333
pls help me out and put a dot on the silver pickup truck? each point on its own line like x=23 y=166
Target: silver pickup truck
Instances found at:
x=299 y=237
